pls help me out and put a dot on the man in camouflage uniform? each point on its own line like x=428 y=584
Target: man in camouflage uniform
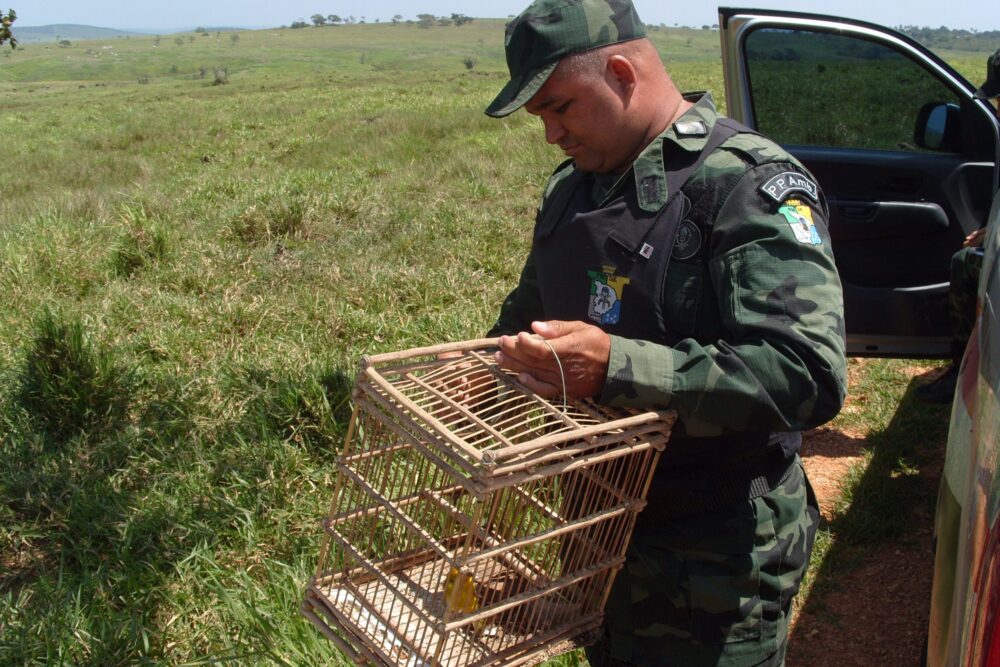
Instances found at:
x=966 y=266
x=678 y=260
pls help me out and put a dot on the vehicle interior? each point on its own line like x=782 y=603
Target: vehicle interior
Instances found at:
x=903 y=151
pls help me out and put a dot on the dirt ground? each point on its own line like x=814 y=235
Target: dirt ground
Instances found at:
x=876 y=613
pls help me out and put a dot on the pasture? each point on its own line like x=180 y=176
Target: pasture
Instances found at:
x=188 y=275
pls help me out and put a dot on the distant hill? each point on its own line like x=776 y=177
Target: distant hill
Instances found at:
x=50 y=33
x=956 y=40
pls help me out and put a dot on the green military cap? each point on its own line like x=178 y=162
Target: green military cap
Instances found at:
x=991 y=88
x=548 y=31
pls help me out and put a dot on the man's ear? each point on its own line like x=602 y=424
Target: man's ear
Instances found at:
x=621 y=75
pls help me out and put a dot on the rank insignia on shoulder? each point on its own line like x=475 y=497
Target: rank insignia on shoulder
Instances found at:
x=689 y=128
x=779 y=187
x=800 y=219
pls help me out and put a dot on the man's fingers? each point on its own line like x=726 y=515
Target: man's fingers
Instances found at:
x=556 y=328
x=518 y=366
x=543 y=389
x=532 y=345
x=527 y=349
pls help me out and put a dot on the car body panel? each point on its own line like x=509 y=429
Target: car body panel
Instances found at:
x=897 y=213
x=965 y=600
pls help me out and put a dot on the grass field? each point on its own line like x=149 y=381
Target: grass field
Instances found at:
x=188 y=274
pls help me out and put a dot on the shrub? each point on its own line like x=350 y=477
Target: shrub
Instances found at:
x=469 y=62
x=221 y=77
x=66 y=385
x=5 y=22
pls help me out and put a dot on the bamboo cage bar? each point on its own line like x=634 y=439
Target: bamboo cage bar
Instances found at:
x=500 y=549
x=560 y=467
x=400 y=503
x=530 y=596
x=370 y=567
x=441 y=429
x=584 y=432
x=474 y=523
x=430 y=351
x=468 y=468
x=485 y=426
x=593 y=442
x=479 y=532
x=398 y=513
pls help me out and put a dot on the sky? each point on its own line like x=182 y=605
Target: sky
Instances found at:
x=184 y=14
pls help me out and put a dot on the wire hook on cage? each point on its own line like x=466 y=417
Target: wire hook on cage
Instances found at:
x=562 y=374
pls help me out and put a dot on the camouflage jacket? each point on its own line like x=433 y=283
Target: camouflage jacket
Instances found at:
x=759 y=305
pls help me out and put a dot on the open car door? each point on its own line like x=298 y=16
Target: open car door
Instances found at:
x=853 y=101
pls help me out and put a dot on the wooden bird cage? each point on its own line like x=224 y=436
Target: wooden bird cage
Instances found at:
x=473 y=522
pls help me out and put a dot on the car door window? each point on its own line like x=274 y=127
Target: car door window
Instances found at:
x=823 y=89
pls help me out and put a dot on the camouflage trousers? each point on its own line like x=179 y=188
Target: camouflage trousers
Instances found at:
x=712 y=589
x=966 y=265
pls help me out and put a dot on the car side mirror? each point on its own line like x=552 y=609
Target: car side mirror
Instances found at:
x=939 y=127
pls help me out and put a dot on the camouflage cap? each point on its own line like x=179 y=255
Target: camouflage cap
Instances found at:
x=991 y=88
x=548 y=31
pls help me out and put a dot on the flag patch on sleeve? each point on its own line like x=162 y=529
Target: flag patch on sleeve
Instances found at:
x=800 y=219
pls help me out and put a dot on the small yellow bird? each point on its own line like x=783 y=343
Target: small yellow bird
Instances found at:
x=460 y=593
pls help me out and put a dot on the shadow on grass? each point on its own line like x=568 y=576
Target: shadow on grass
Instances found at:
x=108 y=483
x=891 y=500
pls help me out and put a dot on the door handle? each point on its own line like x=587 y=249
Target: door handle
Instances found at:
x=858 y=210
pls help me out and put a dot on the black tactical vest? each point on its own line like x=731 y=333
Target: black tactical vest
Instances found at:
x=624 y=253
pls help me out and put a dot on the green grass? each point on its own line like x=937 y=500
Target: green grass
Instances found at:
x=188 y=275
x=890 y=495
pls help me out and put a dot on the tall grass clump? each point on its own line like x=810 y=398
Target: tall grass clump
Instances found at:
x=273 y=215
x=144 y=241
x=68 y=387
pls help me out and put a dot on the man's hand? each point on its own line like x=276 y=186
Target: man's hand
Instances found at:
x=582 y=348
x=458 y=388
x=975 y=239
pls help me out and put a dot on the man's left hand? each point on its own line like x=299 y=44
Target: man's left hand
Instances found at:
x=582 y=348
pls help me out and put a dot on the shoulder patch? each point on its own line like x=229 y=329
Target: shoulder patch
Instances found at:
x=799 y=217
x=779 y=187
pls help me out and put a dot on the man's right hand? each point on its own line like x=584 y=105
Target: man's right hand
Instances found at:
x=975 y=239
x=582 y=351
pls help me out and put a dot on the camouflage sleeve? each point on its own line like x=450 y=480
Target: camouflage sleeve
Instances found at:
x=522 y=306
x=781 y=363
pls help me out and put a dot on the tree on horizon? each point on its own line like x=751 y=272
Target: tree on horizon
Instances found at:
x=5 y=22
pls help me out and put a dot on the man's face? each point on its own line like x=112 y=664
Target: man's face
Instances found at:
x=585 y=117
